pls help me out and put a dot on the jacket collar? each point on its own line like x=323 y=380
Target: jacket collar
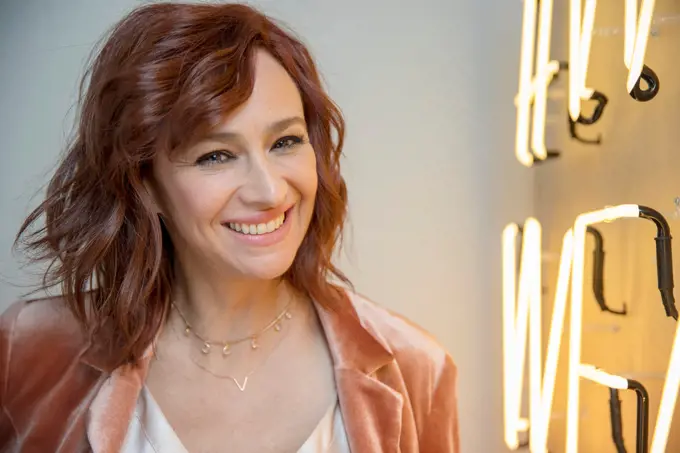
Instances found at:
x=372 y=410
x=353 y=343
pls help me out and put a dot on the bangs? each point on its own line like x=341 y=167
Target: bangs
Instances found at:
x=209 y=93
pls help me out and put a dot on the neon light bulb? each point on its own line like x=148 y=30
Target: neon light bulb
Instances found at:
x=636 y=37
x=554 y=343
x=580 y=39
x=533 y=88
x=510 y=412
x=545 y=71
x=535 y=317
x=603 y=378
x=630 y=30
x=525 y=90
x=580 y=225
x=669 y=397
x=515 y=319
x=519 y=309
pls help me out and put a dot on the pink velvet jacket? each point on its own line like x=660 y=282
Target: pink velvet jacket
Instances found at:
x=396 y=385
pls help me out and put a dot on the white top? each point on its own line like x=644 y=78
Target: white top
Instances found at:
x=150 y=431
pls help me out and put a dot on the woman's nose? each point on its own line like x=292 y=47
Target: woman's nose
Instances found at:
x=264 y=186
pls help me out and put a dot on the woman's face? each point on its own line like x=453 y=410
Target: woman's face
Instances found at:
x=242 y=199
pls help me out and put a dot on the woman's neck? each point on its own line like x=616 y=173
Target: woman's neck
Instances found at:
x=229 y=307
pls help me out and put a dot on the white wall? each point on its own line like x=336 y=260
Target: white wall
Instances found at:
x=427 y=91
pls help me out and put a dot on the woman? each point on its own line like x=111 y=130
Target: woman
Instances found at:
x=190 y=227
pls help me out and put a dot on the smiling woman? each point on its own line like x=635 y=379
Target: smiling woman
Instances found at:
x=256 y=169
x=191 y=227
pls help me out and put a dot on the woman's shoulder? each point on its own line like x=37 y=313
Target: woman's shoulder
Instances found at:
x=39 y=331
x=411 y=344
x=39 y=318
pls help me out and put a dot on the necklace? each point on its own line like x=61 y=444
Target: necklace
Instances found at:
x=241 y=385
x=226 y=346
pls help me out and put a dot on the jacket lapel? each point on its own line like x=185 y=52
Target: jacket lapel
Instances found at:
x=372 y=411
x=113 y=407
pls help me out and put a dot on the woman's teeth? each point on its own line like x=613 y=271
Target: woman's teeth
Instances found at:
x=260 y=228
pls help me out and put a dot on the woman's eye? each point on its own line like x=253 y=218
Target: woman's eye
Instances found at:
x=288 y=142
x=215 y=157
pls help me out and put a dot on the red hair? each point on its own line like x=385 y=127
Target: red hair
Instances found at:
x=166 y=75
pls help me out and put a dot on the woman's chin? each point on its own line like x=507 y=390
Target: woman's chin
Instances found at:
x=272 y=275
x=269 y=269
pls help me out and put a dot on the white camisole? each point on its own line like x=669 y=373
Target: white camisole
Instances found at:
x=150 y=432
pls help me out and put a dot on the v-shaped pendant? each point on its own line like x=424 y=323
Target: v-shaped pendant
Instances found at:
x=241 y=387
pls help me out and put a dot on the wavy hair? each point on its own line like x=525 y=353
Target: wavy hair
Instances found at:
x=166 y=74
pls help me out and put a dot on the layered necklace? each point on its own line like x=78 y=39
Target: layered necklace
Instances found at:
x=209 y=345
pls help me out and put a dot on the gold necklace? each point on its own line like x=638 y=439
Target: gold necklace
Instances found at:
x=241 y=386
x=226 y=345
